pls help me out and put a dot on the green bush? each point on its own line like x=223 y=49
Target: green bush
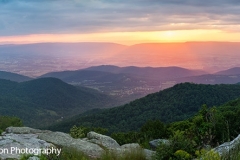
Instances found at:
x=7 y=121
x=178 y=141
x=208 y=155
x=77 y=132
x=81 y=132
x=182 y=155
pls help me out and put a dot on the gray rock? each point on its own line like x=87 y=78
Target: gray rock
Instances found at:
x=65 y=140
x=15 y=145
x=24 y=130
x=33 y=158
x=154 y=143
x=131 y=146
x=102 y=140
x=93 y=146
x=149 y=154
x=58 y=138
x=227 y=146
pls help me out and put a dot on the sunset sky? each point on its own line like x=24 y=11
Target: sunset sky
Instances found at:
x=120 y=21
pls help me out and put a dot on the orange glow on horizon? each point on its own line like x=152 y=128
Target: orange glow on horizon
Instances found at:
x=128 y=38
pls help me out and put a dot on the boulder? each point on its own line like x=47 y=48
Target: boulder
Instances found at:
x=65 y=140
x=24 y=130
x=228 y=146
x=93 y=146
x=131 y=146
x=14 y=145
x=149 y=154
x=102 y=140
x=33 y=158
x=154 y=143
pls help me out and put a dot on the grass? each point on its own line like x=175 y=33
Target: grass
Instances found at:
x=232 y=154
x=132 y=154
x=73 y=154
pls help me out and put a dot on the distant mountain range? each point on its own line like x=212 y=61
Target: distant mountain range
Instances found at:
x=108 y=73
x=156 y=73
x=127 y=83
x=46 y=100
x=173 y=104
x=43 y=101
x=130 y=83
x=231 y=71
x=13 y=76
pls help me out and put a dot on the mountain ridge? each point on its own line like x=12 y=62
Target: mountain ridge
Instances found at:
x=172 y=104
x=13 y=76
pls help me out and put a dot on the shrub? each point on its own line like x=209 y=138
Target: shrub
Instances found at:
x=77 y=132
x=177 y=142
x=208 y=155
x=7 y=121
x=182 y=155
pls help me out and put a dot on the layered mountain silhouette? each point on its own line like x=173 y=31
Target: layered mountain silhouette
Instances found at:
x=13 y=76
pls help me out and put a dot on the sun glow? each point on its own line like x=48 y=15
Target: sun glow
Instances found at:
x=128 y=38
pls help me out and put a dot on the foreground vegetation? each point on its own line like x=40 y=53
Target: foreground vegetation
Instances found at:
x=189 y=139
x=6 y=121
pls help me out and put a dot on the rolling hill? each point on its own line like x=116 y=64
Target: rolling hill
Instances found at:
x=210 y=79
x=231 y=71
x=13 y=76
x=43 y=101
x=156 y=73
x=173 y=104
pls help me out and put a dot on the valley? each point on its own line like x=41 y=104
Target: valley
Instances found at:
x=37 y=59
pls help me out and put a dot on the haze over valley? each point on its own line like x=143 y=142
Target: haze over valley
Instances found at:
x=36 y=59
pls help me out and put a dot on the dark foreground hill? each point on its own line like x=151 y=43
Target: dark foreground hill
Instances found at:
x=173 y=104
x=13 y=76
x=43 y=101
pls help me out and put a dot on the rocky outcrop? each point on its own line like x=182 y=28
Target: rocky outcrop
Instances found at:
x=28 y=138
x=102 y=140
x=65 y=140
x=14 y=145
x=154 y=143
x=227 y=147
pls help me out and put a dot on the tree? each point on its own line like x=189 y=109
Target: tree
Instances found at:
x=154 y=129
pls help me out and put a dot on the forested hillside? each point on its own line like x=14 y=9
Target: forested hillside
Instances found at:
x=41 y=102
x=177 y=103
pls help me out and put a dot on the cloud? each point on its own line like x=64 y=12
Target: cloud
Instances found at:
x=20 y=17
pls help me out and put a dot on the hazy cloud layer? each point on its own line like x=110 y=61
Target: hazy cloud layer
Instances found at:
x=19 y=17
